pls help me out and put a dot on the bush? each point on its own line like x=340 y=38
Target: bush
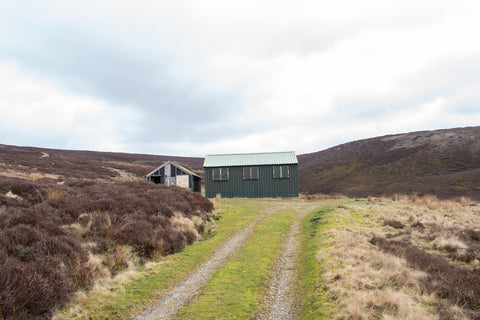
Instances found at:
x=394 y=224
x=457 y=284
x=42 y=259
x=30 y=192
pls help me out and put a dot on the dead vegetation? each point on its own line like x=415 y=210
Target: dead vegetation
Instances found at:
x=32 y=176
x=58 y=239
x=404 y=258
x=320 y=196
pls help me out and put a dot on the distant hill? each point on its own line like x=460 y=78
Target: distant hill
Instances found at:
x=445 y=163
x=84 y=164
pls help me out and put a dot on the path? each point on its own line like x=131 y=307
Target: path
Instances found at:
x=280 y=302
x=177 y=298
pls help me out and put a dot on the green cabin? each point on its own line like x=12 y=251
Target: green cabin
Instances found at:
x=251 y=175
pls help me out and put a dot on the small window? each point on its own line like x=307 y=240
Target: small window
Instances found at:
x=250 y=173
x=219 y=174
x=281 y=172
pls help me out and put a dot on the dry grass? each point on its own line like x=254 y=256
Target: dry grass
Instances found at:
x=56 y=194
x=321 y=196
x=366 y=281
x=30 y=176
x=186 y=226
x=451 y=244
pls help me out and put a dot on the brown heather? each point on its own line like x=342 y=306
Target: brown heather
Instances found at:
x=57 y=239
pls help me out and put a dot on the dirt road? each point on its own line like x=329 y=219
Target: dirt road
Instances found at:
x=279 y=301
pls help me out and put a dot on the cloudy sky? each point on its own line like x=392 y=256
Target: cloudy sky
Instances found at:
x=193 y=77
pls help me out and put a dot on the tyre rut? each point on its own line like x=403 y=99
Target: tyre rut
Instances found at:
x=280 y=301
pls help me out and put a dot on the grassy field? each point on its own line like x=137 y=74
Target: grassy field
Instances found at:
x=399 y=258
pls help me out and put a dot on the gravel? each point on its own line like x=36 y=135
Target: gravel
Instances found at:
x=280 y=301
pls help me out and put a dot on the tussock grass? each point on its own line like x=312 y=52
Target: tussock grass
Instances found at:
x=31 y=176
x=401 y=258
x=360 y=281
x=320 y=196
x=427 y=267
x=450 y=244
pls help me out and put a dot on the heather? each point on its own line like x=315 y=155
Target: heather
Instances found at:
x=58 y=237
x=445 y=163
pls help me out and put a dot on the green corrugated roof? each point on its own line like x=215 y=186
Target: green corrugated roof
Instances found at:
x=250 y=159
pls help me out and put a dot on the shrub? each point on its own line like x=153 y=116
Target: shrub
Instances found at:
x=30 y=192
x=457 y=284
x=42 y=263
x=32 y=289
x=394 y=224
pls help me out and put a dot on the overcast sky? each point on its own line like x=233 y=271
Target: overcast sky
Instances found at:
x=193 y=77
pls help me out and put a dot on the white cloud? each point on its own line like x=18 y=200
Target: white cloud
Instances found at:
x=38 y=111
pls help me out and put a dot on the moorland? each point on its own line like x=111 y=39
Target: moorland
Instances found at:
x=392 y=232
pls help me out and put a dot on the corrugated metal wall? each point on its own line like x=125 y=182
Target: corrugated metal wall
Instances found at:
x=266 y=186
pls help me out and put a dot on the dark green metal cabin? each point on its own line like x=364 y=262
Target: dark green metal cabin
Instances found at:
x=251 y=175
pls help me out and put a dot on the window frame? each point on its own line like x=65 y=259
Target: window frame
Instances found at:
x=283 y=172
x=223 y=174
x=250 y=173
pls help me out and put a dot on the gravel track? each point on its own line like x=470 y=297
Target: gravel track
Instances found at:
x=280 y=301
x=177 y=298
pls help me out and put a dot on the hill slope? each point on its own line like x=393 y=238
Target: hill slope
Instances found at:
x=442 y=162
x=66 y=164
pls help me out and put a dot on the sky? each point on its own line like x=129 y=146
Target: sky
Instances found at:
x=192 y=77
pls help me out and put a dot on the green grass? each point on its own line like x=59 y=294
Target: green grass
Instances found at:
x=315 y=304
x=236 y=290
x=121 y=299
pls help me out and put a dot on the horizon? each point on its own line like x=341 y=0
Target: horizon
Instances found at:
x=203 y=157
x=191 y=78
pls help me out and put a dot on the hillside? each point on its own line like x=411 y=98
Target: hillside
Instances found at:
x=65 y=164
x=442 y=162
x=72 y=219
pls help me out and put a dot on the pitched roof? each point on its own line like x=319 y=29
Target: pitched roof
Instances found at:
x=250 y=159
x=187 y=171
